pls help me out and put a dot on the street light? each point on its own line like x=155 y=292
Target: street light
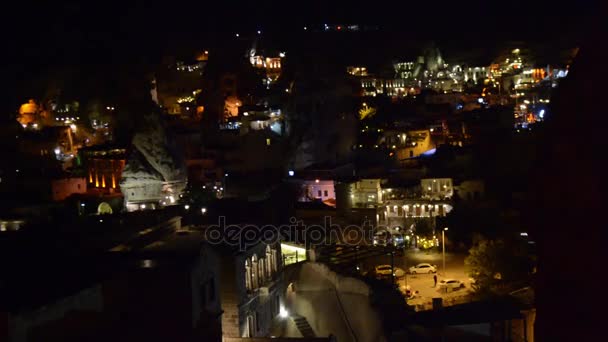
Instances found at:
x=443 y=242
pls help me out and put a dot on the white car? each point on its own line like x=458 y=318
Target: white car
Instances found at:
x=385 y=270
x=423 y=268
x=451 y=284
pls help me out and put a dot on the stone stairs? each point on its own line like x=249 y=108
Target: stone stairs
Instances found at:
x=303 y=326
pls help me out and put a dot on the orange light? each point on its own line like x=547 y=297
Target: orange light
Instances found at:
x=103 y=181
x=113 y=181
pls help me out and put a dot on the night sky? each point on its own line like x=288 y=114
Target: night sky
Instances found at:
x=46 y=35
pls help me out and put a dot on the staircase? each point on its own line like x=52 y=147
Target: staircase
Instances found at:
x=303 y=326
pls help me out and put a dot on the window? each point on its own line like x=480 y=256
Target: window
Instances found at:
x=78 y=186
x=411 y=154
x=319 y=192
x=325 y=193
x=247 y=275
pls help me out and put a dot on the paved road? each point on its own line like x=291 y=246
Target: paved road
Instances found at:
x=424 y=283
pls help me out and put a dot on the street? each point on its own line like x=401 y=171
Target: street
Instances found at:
x=455 y=269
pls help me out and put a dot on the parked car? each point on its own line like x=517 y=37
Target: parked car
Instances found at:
x=385 y=270
x=423 y=268
x=451 y=284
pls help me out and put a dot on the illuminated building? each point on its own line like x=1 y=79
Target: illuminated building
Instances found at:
x=317 y=189
x=104 y=165
x=357 y=71
x=436 y=188
x=64 y=187
x=417 y=143
x=28 y=113
x=269 y=63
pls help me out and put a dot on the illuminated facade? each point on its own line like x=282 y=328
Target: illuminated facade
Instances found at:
x=416 y=143
x=104 y=165
x=365 y=193
x=437 y=188
x=357 y=71
x=252 y=290
x=63 y=188
x=317 y=190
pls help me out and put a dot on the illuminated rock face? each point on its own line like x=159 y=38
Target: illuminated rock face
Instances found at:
x=154 y=170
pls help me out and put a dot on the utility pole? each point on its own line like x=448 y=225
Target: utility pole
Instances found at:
x=405 y=262
x=443 y=242
x=392 y=267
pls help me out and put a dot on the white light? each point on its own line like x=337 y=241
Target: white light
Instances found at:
x=187 y=207
x=291 y=173
x=172 y=199
x=143 y=206
x=203 y=210
x=281 y=54
x=82 y=204
x=101 y=221
x=221 y=189
x=237 y=35
x=259 y=32
x=541 y=113
x=523 y=234
x=57 y=150
x=283 y=313
x=246 y=114
x=432 y=129
x=480 y=100
x=316 y=181
x=225 y=175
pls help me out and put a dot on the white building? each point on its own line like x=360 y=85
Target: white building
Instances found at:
x=317 y=190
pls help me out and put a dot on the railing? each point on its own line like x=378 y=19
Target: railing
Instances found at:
x=344 y=316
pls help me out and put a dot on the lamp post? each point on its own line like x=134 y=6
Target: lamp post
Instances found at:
x=443 y=242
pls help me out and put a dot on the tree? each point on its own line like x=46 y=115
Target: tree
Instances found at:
x=366 y=112
x=500 y=266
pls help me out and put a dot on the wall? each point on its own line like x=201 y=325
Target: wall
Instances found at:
x=421 y=145
x=311 y=190
x=62 y=188
x=89 y=299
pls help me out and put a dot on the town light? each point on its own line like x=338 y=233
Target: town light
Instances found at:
x=203 y=211
x=316 y=180
x=290 y=173
x=187 y=207
x=283 y=313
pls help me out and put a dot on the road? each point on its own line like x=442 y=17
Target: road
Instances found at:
x=424 y=283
